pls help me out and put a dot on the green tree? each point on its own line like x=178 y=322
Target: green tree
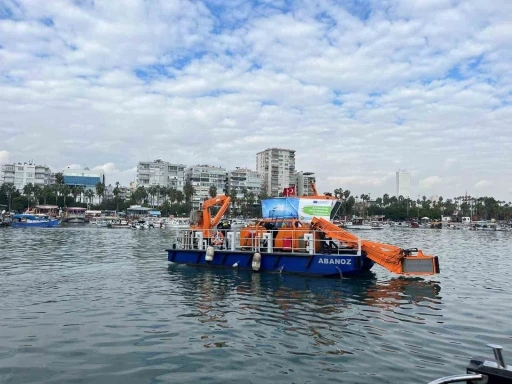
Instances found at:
x=100 y=191
x=46 y=193
x=212 y=191
x=172 y=193
x=180 y=197
x=59 y=181
x=116 y=193
x=188 y=191
x=89 y=195
x=36 y=191
x=27 y=191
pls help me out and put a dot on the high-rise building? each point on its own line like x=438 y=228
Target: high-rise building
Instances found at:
x=403 y=184
x=202 y=178
x=21 y=174
x=160 y=173
x=243 y=178
x=303 y=181
x=277 y=169
x=86 y=177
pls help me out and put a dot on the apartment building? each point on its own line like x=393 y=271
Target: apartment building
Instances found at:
x=202 y=177
x=303 y=181
x=160 y=173
x=277 y=169
x=21 y=174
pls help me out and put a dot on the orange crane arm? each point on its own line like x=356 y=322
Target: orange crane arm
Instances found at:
x=225 y=200
x=391 y=257
x=206 y=221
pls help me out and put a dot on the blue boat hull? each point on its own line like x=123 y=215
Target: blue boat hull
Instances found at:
x=296 y=263
x=42 y=224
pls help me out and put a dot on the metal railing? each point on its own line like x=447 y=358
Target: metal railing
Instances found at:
x=257 y=241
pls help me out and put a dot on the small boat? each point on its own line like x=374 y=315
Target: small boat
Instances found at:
x=177 y=223
x=25 y=220
x=358 y=224
x=483 y=370
x=118 y=224
x=75 y=215
x=377 y=225
x=140 y=225
x=289 y=245
x=5 y=219
x=483 y=225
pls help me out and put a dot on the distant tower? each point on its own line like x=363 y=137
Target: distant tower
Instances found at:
x=403 y=184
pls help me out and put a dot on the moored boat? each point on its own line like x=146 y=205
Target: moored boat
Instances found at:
x=33 y=221
x=75 y=215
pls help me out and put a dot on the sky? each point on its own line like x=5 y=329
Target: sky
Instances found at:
x=359 y=88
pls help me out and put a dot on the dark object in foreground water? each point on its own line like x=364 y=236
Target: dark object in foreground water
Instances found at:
x=482 y=370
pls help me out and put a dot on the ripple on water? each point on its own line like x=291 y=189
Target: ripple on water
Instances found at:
x=83 y=304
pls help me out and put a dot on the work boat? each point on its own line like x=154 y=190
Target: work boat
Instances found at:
x=289 y=244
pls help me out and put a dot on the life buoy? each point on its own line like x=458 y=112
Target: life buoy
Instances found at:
x=217 y=238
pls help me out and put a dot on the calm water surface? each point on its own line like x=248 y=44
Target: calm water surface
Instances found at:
x=93 y=305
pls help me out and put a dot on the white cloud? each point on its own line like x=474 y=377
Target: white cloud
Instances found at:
x=430 y=181
x=4 y=157
x=482 y=184
x=424 y=84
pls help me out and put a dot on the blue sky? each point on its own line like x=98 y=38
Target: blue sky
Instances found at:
x=359 y=88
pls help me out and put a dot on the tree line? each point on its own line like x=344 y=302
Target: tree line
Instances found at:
x=169 y=201
x=403 y=208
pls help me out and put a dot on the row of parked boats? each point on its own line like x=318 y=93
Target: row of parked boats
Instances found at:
x=481 y=225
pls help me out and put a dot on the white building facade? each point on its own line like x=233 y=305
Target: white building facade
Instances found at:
x=277 y=169
x=202 y=178
x=160 y=173
x=303 y=182
x=243 y=178
x=403 y=184
x=21 y=174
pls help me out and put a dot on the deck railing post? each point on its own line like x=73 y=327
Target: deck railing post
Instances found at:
x=269 y=237
x=308 y=239
x=359 y=247
x=231 y=240
x=199 y=236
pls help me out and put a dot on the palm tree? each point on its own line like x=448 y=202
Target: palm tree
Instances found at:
x=180 y=196
x=116 y=193
x=172 y=193
x=338 y=193
x=164 y=192
x=188 y=191
x=89 y=194
x=36 y=191
x=100 y=190
x=153 y=191
x=46 y=192
x=81 y=190
x=65 y=191
x=27 y=191
x=212 y=191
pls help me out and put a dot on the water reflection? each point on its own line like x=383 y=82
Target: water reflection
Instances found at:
x=323 y=310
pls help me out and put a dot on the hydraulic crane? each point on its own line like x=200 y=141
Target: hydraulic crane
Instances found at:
x=205 y=220
x=391 y=257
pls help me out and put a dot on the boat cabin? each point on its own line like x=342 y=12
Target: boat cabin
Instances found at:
x=48 y=210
